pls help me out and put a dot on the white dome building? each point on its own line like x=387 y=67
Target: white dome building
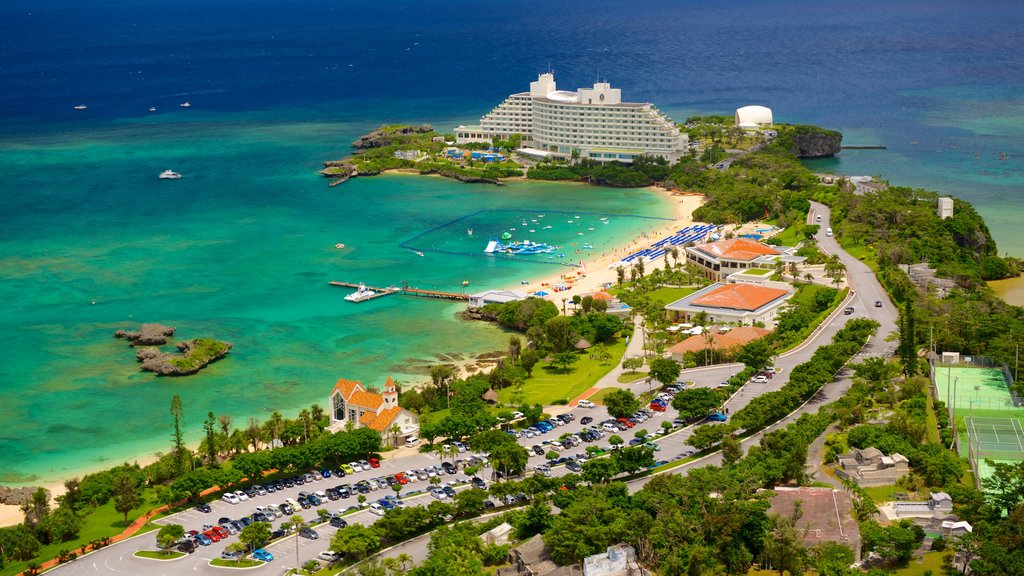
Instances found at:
x=753 y=116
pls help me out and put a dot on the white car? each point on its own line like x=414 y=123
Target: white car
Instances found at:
x=356 y=466
x=585 y=404
x=759 y=379
x=438 y=493
x=230 y=498
x=242 y=497
x=517 y=415
x=377 y=509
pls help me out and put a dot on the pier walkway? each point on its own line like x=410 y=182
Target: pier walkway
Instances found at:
x=405 y=289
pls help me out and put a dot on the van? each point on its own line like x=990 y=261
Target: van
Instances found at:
x=585 y=404
x=328 y=556
x=818 y=218
x=377 y=509
x=412 y=442
x=828 y=232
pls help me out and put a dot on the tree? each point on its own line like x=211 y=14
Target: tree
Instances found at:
x=756 y=355
x=835 y=269
x=356 y=541
x=599 y=470
x=254 y=535
x=168 y=535
x=60 y=525
x=665 y=370
x=18 y=543
x=36 y=508
x=706 y=436
x=178 y=436
x=695 y=403
x=633 y=458
x=528 y=359
x=470 y=502
x=633 y=364
x=509 y=458
x=615 y=440
x=236 y=550
x=209 y=429
x=783 y=549
x=621 y=403
x=907 y=349
x=565 y=360
x=732 y=450
x=296 y=523
x=126 y=494
x=515 y=346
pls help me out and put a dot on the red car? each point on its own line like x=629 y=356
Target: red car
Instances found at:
x=215 y=536
x=657 y=407
x=374 y=462
x=402 y=478
x=626 y=422
x=221 y=531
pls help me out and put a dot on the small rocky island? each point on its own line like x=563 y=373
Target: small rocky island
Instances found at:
x=193 y=355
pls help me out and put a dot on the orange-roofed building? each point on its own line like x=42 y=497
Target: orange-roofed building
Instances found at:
x=721 y=341
x=719 y=259
x=351 y=402
x=741 y=304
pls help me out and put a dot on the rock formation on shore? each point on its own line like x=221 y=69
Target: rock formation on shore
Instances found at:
x=148 y=335
x=17 y=496
x=814 y=142
x=386 y=136
x=194 y=356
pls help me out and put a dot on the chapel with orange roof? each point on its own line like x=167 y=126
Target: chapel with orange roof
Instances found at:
x=720 y=259
x=351 y=402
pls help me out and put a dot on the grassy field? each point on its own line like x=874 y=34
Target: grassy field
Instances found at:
x=244 y=563
x=669 y=295
x=789 y=236
x=104 y=521
x=865 y=254
x=918 y=566
x=549 y=384
x=627 y=377
x=158 y=555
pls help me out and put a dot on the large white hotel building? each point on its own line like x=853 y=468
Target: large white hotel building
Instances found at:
x=593 y=122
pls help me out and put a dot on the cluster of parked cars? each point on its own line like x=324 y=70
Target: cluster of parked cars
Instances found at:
x=765 y=375
x=543 y=427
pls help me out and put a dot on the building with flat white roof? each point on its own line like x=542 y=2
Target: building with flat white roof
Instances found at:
x=592 y=122
x=753 y=117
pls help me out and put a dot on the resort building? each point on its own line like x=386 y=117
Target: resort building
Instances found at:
x=727 y=341
x=720 y=259
x=743 y=304
x=618 y=560
x=590 y=123
x=482 y=299
x=350 y=402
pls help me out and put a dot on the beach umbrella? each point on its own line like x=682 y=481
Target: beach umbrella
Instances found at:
x=582 y=344
x=540 y=293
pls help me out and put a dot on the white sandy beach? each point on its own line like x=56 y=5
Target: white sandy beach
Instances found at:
x=598 y=271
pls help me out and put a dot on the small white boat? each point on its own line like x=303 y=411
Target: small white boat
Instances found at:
x=185 y=104
x=361 y=294
x=81 y=107
x=469 y=231
x=169 y=175
x=152 y=108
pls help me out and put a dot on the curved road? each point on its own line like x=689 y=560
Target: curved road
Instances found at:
x=865 y=291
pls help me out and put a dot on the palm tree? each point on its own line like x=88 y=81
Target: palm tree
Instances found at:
x=395 y=430
x=391 y=565
x=404 y=560
x=236 y=548
x=296 y=523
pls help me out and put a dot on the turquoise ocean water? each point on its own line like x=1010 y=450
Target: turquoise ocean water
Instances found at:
x=242 y=247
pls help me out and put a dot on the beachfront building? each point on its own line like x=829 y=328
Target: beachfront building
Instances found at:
x=725 y=342
x=352 y=404
x=481 y=299
x=590 y=123
x=724 y=257
x=742 y=304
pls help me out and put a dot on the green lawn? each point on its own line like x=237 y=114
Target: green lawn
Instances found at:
x=104 y=521
x=158 y=555
x=244 y=563
x=627 y=377
x=549 y=384
x=669 y=295
x=917 y=567
x=882 y=494
x=789 y=236
x=759 y=271
x=865 y=254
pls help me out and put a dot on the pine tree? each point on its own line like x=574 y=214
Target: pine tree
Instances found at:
x=178 y=436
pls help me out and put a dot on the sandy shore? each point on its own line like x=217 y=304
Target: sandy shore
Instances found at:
x=598 y=271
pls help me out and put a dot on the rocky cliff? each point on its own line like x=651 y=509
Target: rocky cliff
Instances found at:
x=388 y=136
x=148 y=335
x=814 y=142
x=195 y=355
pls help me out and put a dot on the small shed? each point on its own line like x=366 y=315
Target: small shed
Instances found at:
x=490 y=396
x=582 y=344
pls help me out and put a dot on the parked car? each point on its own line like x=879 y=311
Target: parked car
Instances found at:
x=412 y=442
x=574 y=466
x=263 y=555
x=376 y=508
x=401 y=478
x=585 y=404
x=478 y=483
x=230 y=498
x=204 y=507
x=658 y=407
x=878 y=303
x=338 y=522
x=448 y=491
x=438 y=493
x=449 y=467
x=328 y=556
x=309 y=533
x=187 y=546
x=849 y=310
x=717 y=417
x=242 y=496
x=374 y=462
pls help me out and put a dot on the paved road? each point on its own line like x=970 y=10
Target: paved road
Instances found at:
x=865 y=291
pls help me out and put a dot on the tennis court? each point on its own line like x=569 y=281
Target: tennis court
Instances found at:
x=989 y=425
x=995 y=439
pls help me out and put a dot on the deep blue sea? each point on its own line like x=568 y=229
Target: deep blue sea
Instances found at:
x=242 y=246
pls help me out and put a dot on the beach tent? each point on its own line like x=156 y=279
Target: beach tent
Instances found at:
x=540 y=293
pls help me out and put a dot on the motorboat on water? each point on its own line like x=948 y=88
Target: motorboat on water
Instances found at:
x=339 y=246
x=361 y=294
x=185 y=104
x=469 y=232
x=169 y=175
x=152 y=108
x=81 y=107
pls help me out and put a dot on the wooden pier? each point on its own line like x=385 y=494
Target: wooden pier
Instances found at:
x=381 y=292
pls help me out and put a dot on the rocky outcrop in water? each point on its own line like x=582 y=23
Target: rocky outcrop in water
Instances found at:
x=387 y=136
x=148 y=335
x=194 y=356
x=814 y=142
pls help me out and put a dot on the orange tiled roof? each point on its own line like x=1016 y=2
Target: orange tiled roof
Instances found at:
x=389 y=383
x=347 y=387
x=367 y=417
x=724 y=341
x=365 y=399
x=739 y=297
x=737 y=249
x=383 y=419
